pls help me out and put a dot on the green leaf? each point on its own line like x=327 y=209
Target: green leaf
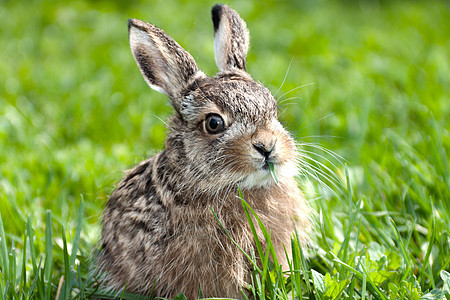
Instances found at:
x=334 y=286
x=394 y=259
x=393 y=291
x=180 y=296
x=381 y=276
x=446 y=279
x=433 y=295
x=318 y=281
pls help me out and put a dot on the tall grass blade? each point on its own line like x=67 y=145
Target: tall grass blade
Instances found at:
x=76 y=240
x=236 y=244
x=5 y=261
x=23 y=281
x=49 y=287
x=431 y=237
x=294 y=268
x=65 y=290
x=34 y=285
x=402 y=247
x=48 y=266
x=304 y=264
x=264 y=231
x=31 y=244
x=39 y=283
x=48 y=246
x=252 y=226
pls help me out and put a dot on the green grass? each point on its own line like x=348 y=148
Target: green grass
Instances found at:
x=375 y=86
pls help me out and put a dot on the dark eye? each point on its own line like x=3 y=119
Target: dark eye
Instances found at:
x=214 y=124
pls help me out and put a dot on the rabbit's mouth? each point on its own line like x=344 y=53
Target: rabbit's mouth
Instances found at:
x=265 y=164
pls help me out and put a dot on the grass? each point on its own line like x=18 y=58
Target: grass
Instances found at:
x=369 y=80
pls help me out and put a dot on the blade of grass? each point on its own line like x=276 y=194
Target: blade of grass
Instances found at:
x=39 y=283
x=31 y=245
x=76 y=240
x=34 y=284
x=48 y=246
x=252 y=227
x=304 y=264
x=5 y=292
x=357 y=262
x=123 y=290
x=264 y=231
x=272 y=172
x=277 y=281
x=65 y=290
x=352 y=215
x=12 y=268
x=322 y=231
x=48 y=266
x=431 y=238
x=236 y=244
x=23 y=281
x=363 y=288
x=294 y=267
x=5 y=262
x=403 y=252
x=48 y=290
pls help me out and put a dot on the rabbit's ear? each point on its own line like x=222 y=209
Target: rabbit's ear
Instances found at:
x=165 y=65
x=231 y=38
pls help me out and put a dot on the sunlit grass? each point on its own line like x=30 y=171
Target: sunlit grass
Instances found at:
x=368 y=81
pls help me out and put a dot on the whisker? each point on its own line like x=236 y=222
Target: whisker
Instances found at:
x=310 y=172
x=294 y=89
x=336 y=156
x=323 y=136
x=284 y=101
x=317 y=121
x=323 y=157
x=319 y=171
x=154 y=115
x=285 y=76
x=317 y=174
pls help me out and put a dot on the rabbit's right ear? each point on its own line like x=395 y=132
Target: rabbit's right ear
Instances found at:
x=165 y=65
x=231 y=38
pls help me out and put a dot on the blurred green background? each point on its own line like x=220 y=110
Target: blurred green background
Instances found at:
x=368 y=80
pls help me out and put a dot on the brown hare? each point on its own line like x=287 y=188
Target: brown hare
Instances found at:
x=159 y=233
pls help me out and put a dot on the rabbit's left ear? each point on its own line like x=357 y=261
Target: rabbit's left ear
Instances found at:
x=165 y=65
x=231 y=38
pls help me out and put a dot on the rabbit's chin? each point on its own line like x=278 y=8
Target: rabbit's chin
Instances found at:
x=262 y=178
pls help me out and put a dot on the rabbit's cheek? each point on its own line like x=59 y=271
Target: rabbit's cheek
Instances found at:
x=286 y=150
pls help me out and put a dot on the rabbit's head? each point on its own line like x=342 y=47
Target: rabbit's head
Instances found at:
x=225 y=130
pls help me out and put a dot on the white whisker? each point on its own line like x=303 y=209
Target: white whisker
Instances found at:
x=285 y=76
x=317 y=121
x=294 y=89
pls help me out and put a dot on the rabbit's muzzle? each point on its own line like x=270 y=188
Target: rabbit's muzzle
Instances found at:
x=264 y=143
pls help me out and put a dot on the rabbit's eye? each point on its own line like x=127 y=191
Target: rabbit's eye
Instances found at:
x=214 y=124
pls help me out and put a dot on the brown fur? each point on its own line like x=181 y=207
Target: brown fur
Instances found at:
x=158 y=225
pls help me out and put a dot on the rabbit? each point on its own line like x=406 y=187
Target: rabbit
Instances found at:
x=159 y=236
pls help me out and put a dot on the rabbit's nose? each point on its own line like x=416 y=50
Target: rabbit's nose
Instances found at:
x=265 y=149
